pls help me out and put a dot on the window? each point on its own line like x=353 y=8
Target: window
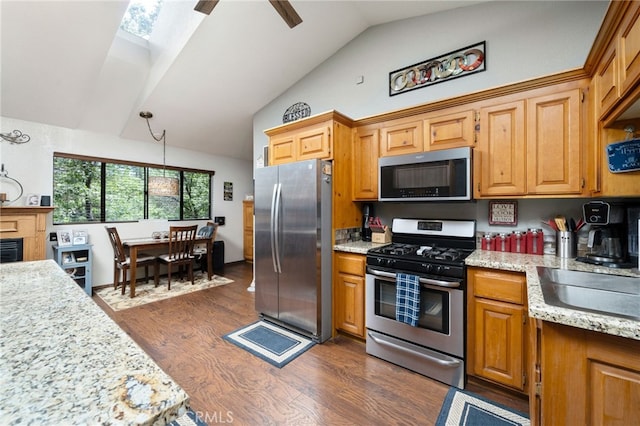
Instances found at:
x=87 y=189
x=140 y=17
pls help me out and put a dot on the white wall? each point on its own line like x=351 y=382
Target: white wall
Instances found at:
x=524 y=40
x=32 y=165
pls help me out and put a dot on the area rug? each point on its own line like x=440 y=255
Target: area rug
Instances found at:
x=465 y=408
x=270 y=342
x=148 y=293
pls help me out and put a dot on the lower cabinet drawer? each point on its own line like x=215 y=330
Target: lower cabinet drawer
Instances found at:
x=500 y=285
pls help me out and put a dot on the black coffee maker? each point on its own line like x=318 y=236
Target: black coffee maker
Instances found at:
x=607 y=243
x=367 y=212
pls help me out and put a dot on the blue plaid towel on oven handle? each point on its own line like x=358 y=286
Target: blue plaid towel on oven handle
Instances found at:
x=407 y=298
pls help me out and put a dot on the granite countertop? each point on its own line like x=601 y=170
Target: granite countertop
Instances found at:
x=64 y=361
x=358 y=247
x=539 y=309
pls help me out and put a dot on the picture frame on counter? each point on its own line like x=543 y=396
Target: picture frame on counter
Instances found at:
x=80 y=236
x=65 y=238
x=32 y=200
x=503 y=213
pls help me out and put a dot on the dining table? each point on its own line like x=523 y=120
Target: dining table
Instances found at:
x=135 y=245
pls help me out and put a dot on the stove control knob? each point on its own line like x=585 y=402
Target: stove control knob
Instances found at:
x=428 y=267
x=390 y=262
x=438 y=269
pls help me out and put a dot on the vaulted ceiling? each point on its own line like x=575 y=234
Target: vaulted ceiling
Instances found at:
x=66 y=63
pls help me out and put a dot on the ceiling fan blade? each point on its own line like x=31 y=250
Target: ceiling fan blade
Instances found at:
x=206 y=6
x=288 y=13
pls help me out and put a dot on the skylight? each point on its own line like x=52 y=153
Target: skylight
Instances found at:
x=140 y=17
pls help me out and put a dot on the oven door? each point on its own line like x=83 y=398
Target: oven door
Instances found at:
x=435 y=348
x=441 y=322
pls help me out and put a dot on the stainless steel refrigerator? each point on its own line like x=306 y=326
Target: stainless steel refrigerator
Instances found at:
x=292 y=261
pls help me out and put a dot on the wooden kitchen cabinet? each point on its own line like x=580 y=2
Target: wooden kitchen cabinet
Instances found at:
x=629 y=42
x=618 y=69
x=499 y=163
x=282 y=150
x=449 y=128
x=247 y=236
x=364 y=171
x=531 y=144
x=401 y=136
x=497 y=333
x=554 y=129
x=587 y=378
x=306 y=139
x=349 y=282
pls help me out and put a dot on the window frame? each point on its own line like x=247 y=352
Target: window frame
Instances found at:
x=146 y=166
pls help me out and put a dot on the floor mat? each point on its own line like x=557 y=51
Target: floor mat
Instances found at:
x=270 y=342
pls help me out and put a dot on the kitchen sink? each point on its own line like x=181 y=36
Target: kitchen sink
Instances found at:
x=613 y=295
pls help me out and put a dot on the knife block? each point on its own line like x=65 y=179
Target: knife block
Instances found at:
x=381 y=237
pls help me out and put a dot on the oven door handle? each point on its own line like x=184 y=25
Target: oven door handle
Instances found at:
x=454 y=363
x=439 y=283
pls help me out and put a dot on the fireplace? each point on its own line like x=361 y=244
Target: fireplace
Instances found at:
x=28 y=224
x=11 y=250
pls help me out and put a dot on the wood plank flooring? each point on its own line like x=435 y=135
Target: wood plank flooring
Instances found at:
x=335 y=383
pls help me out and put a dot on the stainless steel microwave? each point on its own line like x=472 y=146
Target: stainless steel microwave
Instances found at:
x=443 y=175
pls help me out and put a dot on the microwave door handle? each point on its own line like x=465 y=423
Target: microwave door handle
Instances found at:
x=431 y=281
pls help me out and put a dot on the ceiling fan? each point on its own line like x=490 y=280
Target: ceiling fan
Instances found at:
x=283 y=7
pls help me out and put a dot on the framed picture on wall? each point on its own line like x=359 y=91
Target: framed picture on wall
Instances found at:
x=503 y=213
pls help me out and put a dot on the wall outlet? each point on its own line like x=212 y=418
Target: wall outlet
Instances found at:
x=220 y=220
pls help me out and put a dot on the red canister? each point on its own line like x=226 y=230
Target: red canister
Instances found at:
x=487 y=241
x=502 y=242
x=535 y=241
x=519 y=242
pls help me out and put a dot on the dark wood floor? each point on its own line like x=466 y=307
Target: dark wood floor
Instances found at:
x=333 y=383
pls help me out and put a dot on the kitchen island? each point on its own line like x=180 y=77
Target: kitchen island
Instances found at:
x=64 y=361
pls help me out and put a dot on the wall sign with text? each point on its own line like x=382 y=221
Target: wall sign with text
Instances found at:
x=503 y=213
x=459 y=63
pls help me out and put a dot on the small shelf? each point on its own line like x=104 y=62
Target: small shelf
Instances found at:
x=76 y=262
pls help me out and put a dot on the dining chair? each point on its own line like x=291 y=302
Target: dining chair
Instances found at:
x=210 y=230
x=181 y=242
x=122 y=262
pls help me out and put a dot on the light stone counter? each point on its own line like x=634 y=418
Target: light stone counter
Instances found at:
x=358 y=247
x=539 y=309
x=63 y=361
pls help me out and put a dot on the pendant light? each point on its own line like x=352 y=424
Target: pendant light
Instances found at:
x=162 y=186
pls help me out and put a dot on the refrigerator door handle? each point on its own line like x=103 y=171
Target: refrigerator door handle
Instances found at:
x=272 y=222
x=275 y=221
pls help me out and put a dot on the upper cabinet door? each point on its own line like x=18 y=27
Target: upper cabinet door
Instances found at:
x=500 y=155
x=607 y=87
x=630 y=48
x=553 y=144
x=314 y=143
x=401 y=137
x=364 y=162
x=282 y=150
x=450 y=130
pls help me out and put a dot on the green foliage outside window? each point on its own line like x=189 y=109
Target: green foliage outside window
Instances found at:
x=79 y=197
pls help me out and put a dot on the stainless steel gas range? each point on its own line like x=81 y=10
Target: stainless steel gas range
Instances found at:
x=429 y=254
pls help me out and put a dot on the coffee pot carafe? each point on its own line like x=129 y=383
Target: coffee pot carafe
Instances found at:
x=605 y=243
